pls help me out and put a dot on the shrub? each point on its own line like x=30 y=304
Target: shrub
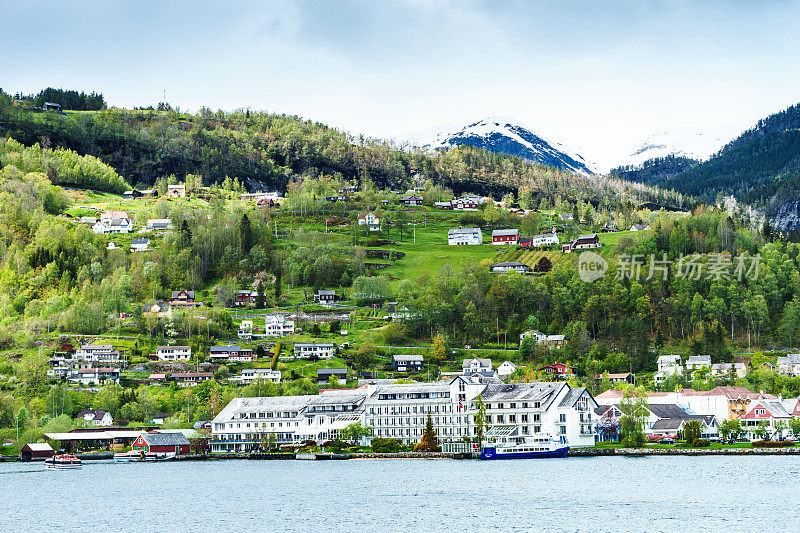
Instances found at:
x=701 y=443
x=386 y=445
x=772 y=443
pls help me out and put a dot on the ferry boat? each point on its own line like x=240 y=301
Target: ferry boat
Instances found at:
x=62 y=462
x=136 y=456
x=507 y=444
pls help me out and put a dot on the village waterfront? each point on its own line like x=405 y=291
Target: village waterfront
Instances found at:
x=748 y=493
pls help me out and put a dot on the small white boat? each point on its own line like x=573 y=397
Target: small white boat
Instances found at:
x=62 y=462
x=507 y=443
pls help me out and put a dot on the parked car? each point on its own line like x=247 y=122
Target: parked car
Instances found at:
x=714 y=439
x=667 y=440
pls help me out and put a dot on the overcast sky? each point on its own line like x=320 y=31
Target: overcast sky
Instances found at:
x=602 y=74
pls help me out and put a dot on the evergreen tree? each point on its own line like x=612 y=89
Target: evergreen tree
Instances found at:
x=429 y=441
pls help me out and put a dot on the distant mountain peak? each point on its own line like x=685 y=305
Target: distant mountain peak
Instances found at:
x=510 y=136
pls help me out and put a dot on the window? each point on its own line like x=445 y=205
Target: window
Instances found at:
x=562 y=418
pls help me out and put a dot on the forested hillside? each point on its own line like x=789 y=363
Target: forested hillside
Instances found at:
x=266 y=151
x=761 y=167
x=655 y=171
x=67 y=99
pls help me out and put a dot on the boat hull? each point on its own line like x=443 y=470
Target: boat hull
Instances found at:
x=51 y=466
x=491 y=454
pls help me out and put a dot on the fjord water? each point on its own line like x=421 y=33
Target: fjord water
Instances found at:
x=575 y=494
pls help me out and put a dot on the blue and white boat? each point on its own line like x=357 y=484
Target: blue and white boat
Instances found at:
x=505 y=443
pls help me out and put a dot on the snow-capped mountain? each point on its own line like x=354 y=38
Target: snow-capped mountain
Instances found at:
x=684 y=143
x=506 y=135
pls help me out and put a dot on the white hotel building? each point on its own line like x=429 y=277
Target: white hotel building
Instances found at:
x=400 y=411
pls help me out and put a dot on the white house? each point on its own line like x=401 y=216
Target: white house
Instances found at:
x=234 y=353
x=278 y=326
x=464 y=236
x=476 y=365
x=173 y=353
x=97 y=353
x=97 y=417
x=541 y=338
x=113 y=222
x=544 y=239
x=507 y=266
x=668 y=365
x=250 y=375
x=506 y=369
x=640 y=227
x=696 y=362
x=371 y=220
x=725 y=369
x=789 y=365
x=88 y=376
x=140 y=245
x=155 y=224
x=323 y=350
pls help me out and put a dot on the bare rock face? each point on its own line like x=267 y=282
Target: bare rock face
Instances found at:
x=788 y=216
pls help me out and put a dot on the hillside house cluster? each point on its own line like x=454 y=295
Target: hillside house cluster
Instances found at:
x=113 y=222
x=552 y=341
x=669 y=411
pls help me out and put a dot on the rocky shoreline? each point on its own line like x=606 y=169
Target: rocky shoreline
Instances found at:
x=575 y=452
x=643 y=452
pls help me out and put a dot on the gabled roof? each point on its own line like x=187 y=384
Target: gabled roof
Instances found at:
x=483 y=362
x=96 y=414
x=189 y=294
x=572 y=397
x=407 y=358
x=215 y=349
x=504 y=232
x=331 y=371
x=541 y=392
x=510 y=264
x=165 y=439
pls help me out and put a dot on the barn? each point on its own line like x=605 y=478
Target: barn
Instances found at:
x=36 y=451
x=168 y=443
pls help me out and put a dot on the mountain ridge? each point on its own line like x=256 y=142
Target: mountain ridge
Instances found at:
x=509 y=136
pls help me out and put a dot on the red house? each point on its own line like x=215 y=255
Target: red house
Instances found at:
x=505 y=236
x=161 y=443
x=558 y=370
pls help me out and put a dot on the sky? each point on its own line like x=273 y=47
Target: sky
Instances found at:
x=602 y=75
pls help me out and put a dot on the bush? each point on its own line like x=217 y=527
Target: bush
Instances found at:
x=386 y=445
x=337 y=445
x=772 y=443
x=701 y=443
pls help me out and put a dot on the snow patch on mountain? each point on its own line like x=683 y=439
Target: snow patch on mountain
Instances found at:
x=698 y=145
